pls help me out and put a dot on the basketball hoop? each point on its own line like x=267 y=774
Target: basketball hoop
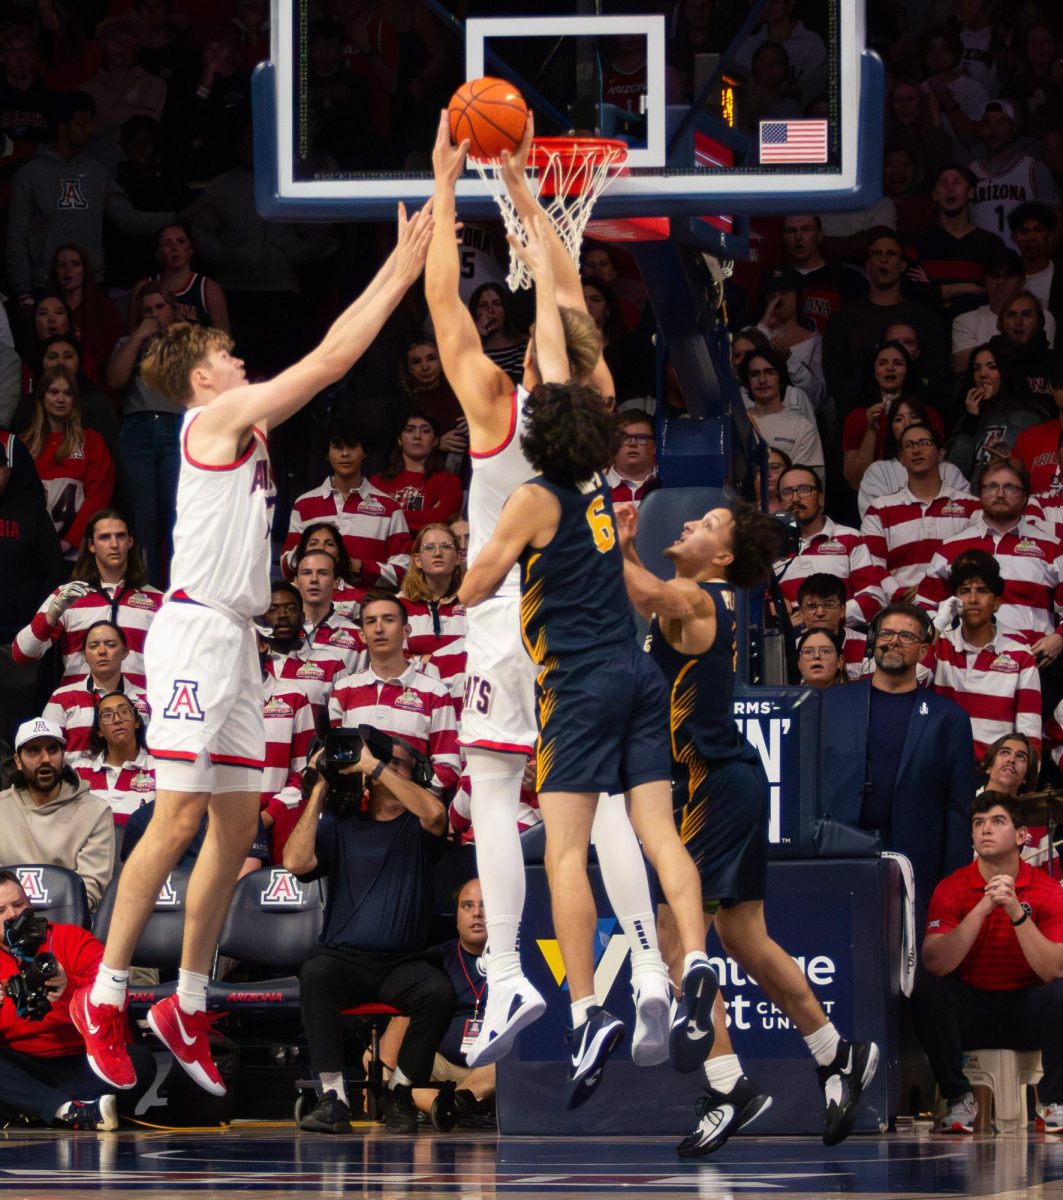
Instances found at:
x=567 y=175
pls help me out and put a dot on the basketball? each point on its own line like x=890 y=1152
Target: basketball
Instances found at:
x=490 y=113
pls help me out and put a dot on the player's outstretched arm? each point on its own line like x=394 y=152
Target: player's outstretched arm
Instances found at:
x=550 y=351
x=670 y=599
x=351 y=334
x=529 y=513
x=566 y=273
x=478 y=383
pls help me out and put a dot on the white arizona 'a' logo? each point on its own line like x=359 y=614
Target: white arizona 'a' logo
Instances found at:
x=168 y=897
x=32 y=880
x=283 y=888
x=184 y=703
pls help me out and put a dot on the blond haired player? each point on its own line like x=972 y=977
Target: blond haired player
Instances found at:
x=204 y=682
x=498 y=729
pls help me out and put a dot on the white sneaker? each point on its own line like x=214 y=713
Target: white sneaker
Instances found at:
x=512 y=1005
x=1052 y=1116
x=652 y=991
x=962 y=1115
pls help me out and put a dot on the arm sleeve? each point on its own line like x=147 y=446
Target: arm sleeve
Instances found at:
x=868 y=561
x=131 y=220
x=443 y=747
x=33 y=640
x=392 y=571
x=95 y=860
x=1028 y=702
x=944 y=913
x=99 y=485
x=933 y=590
x=80 y=954
x=960 y=790
x=296 y=524
x=17 y=251
x=808 y=448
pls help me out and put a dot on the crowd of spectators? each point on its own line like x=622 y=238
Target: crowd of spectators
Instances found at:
x=900 y=363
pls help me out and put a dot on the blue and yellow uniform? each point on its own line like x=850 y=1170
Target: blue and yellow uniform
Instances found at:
x=720 y=792
x=602 y=706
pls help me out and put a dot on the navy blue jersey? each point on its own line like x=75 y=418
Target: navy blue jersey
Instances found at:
x=701 y=688
x=572 y=594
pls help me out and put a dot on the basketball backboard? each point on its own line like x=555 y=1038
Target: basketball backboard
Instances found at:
x=715 y=123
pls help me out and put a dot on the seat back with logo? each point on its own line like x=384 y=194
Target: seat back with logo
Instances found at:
x=273 y=923
x=55 y=892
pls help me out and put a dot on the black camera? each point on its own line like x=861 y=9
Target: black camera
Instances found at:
x=341 y=750
x=790 y=535
x=28 y=990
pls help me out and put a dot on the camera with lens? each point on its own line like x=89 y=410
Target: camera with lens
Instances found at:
x=342 y=749
x=28 y=991
x=790 y=534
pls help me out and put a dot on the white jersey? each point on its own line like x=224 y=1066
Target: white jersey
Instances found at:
x=496 y=475
x=998 y=192
x=221 y=537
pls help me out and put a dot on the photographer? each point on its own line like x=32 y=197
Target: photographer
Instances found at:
x=44 y=1074
x=372 y=827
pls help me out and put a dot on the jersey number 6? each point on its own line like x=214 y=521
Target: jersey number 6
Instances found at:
x=601 y=524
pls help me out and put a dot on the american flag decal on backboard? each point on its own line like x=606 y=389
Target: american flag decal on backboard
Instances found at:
x=793 y=141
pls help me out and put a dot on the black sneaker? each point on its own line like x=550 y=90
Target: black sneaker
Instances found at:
x=331 y=1115
x=843 y=1083
x=691 y=1037
x=473 y=1113
x=722 y=1113
x=595 y=1040
x=101 y=1114
x=402 y=1115
x=445 y=1109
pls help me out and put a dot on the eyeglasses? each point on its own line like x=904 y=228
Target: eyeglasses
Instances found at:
x=816 y=652
x=898 y=635
x=113 y=714
x=432 y=547
x=817 y=605
x=1008 y=489
x=800 y=489
x=918 y=444
x=635 y=439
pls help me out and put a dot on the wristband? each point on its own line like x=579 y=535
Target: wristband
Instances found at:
x=1024 y=917
x=377 y=771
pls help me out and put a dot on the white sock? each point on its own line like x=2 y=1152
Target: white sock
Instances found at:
x=581 y=1009
x=62 y=1110
x=494 y=781
x=192 y=991
x=723 y=1072
x=110 y=986
x=624 y=875
x=398 y=1079
x=695 y=956
x=332 y=1081
x=823 y=1044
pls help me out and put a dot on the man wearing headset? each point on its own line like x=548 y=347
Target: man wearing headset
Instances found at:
x=375 y=837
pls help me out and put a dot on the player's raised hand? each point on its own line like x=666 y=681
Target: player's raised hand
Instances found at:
x=414 y=236
x=627 y=524
x=448 y=160
x=515 y=162
x=534 y=253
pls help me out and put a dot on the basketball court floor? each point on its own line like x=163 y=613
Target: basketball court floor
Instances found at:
x=272 y=1160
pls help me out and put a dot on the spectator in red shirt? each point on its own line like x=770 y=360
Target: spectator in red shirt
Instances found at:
x=824 y=547
x=632 y=475
x=423 y=381
x=1036 y=446
x=118 y=767
x=329 y=634
x=290 y=658
x=415 y=476
x=437 y=621
x=993 y=959
x=73 y=462
x=44 y=1074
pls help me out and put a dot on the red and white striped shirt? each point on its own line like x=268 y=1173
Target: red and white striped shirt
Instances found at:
x=997 y=685
x=1046 y=508
x=337 y=636
x=125 y=788
x=631 y=491
x=314 y=675
x=416 y=706
x=1031 y=566
x=828 y=552
x=72 y=706
x=131 y=609
x=289 y=733
x=438 y=630
x=373 y=528
x=899 y=536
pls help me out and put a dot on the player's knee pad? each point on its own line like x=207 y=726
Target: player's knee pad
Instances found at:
x=493 y=766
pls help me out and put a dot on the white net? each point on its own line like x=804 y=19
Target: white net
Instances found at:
x=566 y=178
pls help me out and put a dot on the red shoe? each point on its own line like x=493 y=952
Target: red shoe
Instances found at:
x=105 y=1032
x=187 y=1037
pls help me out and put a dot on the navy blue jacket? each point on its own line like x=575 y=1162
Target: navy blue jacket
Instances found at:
x=936 y=780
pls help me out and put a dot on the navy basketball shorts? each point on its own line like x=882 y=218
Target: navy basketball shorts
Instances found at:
x=724 y=826
x=603 y=722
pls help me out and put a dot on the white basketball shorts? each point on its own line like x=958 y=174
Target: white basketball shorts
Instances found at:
x=498 y=712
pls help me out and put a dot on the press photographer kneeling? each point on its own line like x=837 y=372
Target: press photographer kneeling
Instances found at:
x=44 y=1074
x=372 y=827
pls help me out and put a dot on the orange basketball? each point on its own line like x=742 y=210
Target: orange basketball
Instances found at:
x=490 y=113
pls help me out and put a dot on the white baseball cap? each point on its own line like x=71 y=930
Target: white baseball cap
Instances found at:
x=39 y=727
